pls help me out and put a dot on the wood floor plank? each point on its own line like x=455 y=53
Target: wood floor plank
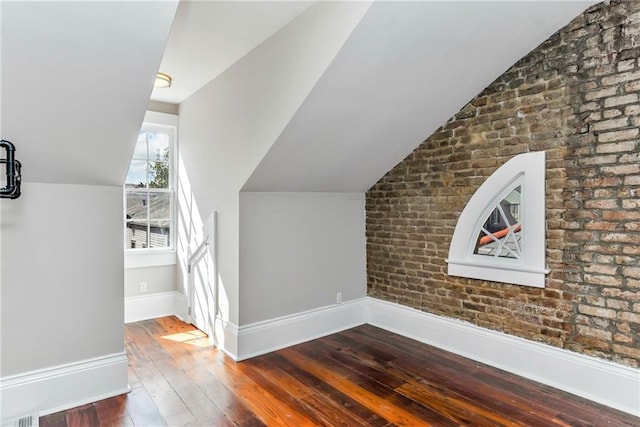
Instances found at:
x=194 y=389
x=198 y=403
x=461 y=378
x=142 y=409
x=295 y=398
x=83 y=416
x=465 y=392
x=266 y=406
x=113 y=412
x=364 y=376
x=377 y=380
x=151 y=370
x=340 y=407
x=455 y=408
x=58 y=419
x=378 y=399
x=232 y=406
x=523 y=398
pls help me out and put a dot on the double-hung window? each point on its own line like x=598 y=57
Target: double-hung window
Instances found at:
x=149 y=191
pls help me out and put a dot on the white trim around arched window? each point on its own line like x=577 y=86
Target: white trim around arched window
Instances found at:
x=516 y=253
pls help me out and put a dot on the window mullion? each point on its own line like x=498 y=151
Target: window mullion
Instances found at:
x=157 y=216
x=486 y=223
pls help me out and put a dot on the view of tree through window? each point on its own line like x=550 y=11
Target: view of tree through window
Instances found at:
x=149 y=193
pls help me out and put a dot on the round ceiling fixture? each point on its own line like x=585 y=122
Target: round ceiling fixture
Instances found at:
x=162 y=80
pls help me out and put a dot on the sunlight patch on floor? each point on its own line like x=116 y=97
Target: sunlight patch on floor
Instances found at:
x=195 y=337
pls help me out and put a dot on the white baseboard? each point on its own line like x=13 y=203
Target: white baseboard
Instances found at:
x=263 y=337
x=226 y=337
x=604 y=382
x=181 y=306
x=156 y=305
x=49 y=390
x=58 y=388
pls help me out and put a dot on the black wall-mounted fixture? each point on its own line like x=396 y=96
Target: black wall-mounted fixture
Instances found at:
x=12 y=172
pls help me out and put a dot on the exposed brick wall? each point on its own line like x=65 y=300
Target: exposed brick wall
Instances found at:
x=576 y=97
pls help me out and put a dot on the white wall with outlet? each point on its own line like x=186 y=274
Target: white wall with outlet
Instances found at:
x=300 y=251
x=149 y=280
x=228 y=126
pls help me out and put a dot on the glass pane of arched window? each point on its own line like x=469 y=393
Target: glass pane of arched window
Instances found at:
x=501 y=233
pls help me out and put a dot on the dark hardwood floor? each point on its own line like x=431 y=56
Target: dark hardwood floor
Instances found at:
x=361 y=377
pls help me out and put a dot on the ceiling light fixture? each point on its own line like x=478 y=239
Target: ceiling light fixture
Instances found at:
x=162 y=80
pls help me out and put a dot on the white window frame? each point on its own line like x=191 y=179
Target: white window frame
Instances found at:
x=528 y=171
x=148 y=257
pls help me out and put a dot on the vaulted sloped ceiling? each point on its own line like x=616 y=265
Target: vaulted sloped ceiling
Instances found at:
x=207 y=37
x=76 y=79
x=404 y=71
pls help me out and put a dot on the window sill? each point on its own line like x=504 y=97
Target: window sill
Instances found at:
x=512 y=274
x=149 y=259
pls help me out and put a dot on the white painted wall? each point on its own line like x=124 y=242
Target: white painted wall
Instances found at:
x=163 y=107
x=161 y=278
x=62 y=258
x=62 y=297
x=227 y=127
x=298 y=250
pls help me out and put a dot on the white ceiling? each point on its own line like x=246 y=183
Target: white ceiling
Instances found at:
x=75 y=85
x=406 y=69
x=208 y=36
x=76 y=80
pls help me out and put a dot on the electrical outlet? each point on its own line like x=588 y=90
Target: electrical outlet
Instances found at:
x=143 y=286
x=339 y=298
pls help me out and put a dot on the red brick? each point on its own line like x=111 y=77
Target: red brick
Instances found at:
x=629 y=317
x=616 y=147
x=620 y=238
x=586 y=116
x=621 y=169
x=631 y=272
x=620 y=135
x=601 y=204
x=611 y=124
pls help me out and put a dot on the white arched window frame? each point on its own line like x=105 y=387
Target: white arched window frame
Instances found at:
x=525 y=266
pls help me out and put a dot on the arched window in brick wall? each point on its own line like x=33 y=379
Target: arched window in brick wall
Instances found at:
x=500 y=235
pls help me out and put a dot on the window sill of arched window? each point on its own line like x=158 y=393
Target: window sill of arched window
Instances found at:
x=516 y=274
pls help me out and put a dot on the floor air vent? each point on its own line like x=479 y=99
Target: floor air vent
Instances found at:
x=26 y=421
